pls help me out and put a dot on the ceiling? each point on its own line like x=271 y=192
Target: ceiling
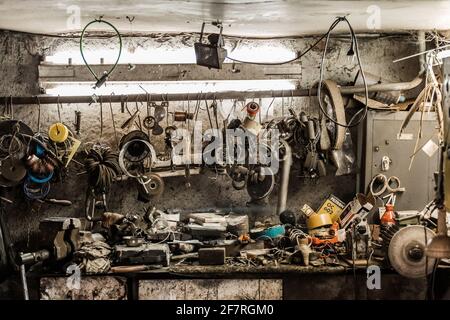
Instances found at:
x=258 y=18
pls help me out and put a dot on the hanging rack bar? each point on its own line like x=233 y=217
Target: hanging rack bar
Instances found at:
x=240 y=95
x=44 y=99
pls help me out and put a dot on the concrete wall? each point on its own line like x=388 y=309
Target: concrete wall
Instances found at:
x=19 y=58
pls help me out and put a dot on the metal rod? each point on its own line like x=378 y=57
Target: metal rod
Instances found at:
x=23 y=277
x=284 y=184
x=158 y=97
x=231 y=95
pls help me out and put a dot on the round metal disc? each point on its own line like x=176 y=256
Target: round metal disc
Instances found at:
x=258 y=186
x=13 y=170
x=149 y=122
x=156 y=185
x=407 y=251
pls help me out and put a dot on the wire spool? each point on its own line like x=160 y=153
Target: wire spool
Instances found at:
x=102 y=167
x=39 y=167
x=252 y=109
x=58 y=132
x=35 y=191
x=181 y=116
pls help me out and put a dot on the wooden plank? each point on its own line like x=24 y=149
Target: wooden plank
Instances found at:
x=167 y=72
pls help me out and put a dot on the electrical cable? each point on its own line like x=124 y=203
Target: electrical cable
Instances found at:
x=102 y=79
x=283 y=62
x=102 y=167
x=354 y=47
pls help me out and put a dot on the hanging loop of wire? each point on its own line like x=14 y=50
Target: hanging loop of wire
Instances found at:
x=107 y=73
x=354 y=45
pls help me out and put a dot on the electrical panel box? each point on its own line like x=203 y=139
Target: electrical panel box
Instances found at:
x=381 y=150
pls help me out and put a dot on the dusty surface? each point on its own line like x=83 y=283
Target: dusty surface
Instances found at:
x=211 y=289
x=261 y=18
x=91 y=288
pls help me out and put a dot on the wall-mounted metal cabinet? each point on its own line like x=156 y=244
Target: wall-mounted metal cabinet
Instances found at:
x=379 y=138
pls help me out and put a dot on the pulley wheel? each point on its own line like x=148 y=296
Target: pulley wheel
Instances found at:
x=149 y=122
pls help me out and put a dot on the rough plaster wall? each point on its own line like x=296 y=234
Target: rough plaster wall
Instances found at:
x=20 y=55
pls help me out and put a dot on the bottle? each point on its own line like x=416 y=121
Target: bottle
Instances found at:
x=388 y=218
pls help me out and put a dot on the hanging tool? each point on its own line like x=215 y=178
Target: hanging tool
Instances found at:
x=159 y=114
x=77 y=122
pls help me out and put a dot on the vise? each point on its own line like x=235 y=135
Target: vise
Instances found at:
x=59 y=239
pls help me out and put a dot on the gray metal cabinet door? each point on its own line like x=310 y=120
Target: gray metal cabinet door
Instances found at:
x=382 y=140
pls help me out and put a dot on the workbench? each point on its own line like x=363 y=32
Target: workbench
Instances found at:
x=186 y=282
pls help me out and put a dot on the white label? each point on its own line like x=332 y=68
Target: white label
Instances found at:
x=405 y=136
x=430 y=148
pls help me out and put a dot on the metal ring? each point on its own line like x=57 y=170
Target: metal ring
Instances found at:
x=36 y=193
x=41 y=181
x=122 y=156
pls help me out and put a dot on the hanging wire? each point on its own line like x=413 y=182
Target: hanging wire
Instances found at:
x=100 y=80
x=39 y=115
x=113 y=121
x=58 y=108
x=101 y=117
x=351 y=123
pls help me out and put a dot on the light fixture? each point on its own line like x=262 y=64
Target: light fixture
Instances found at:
x=213 y=54
x=167 y=87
